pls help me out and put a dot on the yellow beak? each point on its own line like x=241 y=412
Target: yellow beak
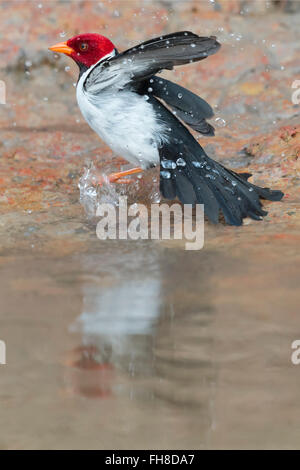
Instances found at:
x=62 y=47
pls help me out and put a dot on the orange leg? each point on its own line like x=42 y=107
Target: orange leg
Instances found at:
x=120 y=176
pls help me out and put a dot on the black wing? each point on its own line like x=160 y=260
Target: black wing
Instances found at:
x=187 y=106
x=188 y=173
x=148 y=58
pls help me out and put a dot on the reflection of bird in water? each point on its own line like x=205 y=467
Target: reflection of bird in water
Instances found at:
x=149 y=340
x=117 y=320
x=116 y=325
x=152 y=336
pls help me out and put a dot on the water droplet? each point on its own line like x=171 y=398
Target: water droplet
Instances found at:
x=250 y=189
x=150 y=89
x=180 y=162
x=196 y=164
x=67 y=68
x=168 y=164
x=179 y=95
x=165 y=174
x=234 y=183
x=220 y=122
x=193 y=45
x=63 y=34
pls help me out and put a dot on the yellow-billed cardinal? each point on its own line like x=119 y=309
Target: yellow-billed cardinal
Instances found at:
x=121 y=98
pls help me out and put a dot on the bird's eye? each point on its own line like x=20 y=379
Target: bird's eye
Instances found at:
x=83 y=46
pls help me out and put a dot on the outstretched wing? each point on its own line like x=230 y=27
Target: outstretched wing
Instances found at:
x=148 y=58
x=187 y=106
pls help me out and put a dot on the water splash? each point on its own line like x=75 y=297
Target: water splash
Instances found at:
x=144 y=189
x=220 y=122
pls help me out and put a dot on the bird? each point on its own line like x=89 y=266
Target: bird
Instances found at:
x=145 y=119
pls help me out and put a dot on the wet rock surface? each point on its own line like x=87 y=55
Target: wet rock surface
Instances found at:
x=213 y=359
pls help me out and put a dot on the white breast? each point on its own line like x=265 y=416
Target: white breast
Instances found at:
x=124 y=120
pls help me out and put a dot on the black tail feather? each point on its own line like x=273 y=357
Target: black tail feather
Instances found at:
x=189 y=173
x=202 y=180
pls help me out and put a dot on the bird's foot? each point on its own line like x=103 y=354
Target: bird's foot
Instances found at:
x=120 y=177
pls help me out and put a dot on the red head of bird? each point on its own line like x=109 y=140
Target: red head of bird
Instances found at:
x=85 y=49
